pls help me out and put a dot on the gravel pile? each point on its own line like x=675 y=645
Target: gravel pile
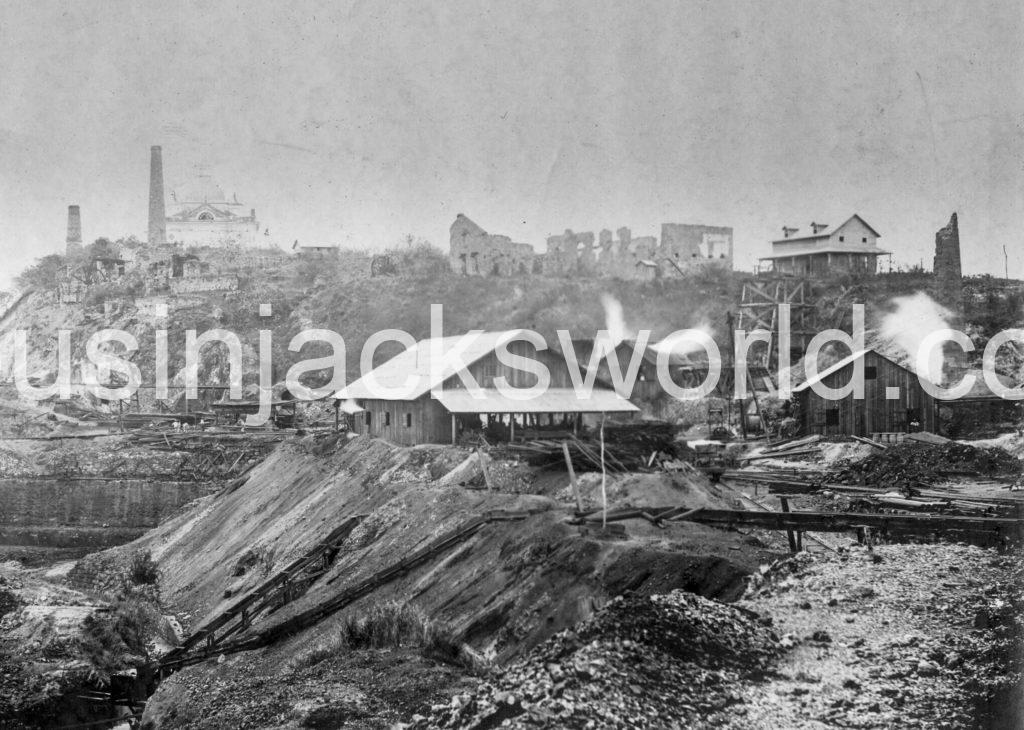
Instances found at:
x=910 y=462
x=654 y=661
x=907 y=636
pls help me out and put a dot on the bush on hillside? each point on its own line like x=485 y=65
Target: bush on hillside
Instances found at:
x=116 y=639
x=389 y=625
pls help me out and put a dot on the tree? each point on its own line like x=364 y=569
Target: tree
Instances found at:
x=102 y=248
x=43 y=274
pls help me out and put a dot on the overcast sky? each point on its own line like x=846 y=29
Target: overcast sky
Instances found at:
x=360 y=122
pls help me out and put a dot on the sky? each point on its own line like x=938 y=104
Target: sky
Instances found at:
x=358 y=123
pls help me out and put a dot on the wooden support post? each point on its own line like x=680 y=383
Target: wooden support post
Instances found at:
x=572 y=477
x=483 y=468
x=454 y=433
x=789 y=533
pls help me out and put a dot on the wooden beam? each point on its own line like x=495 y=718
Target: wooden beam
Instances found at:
x=572 y=477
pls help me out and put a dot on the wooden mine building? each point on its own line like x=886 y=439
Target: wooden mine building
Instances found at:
x=420 y=417
x=893 y=402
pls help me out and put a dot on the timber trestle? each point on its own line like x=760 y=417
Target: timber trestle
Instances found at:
x=212 y=638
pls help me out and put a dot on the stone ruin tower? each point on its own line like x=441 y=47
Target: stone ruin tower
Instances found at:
x=73 y=242
x=157 y=235
x=948 y=287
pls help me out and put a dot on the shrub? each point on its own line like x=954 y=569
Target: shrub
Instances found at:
x=387 y=625
x=116 y=639
x=143 y=570
x=9 y=600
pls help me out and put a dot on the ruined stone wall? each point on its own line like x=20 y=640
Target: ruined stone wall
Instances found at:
x=196 y=284
x=475 y=252
x=693 y=247
x=683 y=247
x=948 y=288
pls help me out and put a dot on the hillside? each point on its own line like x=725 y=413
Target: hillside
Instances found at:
x=339 y=294
x=497 y=594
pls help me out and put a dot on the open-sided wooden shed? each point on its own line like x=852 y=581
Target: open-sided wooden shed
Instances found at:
x=437 y=407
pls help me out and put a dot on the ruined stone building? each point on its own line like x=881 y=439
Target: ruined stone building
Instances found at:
x=200 y=213
x=475 y=252
x=948 y=289
x=851 y=247
x=683 y=248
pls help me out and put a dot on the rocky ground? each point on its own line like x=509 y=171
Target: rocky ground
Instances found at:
x=366 y=689
x=899 y=636
x=902 y=636
x=644 y=661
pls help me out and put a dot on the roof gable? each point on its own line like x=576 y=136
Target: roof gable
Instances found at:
x=416 y=364
x=863 y=222
x=829 y=232
x=836 y=367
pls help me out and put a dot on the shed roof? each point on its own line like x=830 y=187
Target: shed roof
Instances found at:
x=808 y=250
x=416 y=363
x=980 y=389
x=836 y=367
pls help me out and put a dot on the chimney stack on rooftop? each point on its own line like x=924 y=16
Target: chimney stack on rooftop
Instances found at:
x=787 y=231
x=157 y=213
x=74 y=239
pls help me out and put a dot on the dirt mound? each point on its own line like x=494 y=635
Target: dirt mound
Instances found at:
x=501 y=591
x=641 y=658
x=910 y=462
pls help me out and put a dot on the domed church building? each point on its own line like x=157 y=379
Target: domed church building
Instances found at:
x=200 y=214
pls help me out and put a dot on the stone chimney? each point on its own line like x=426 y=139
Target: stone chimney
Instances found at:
x=157 y=213
x=73 y=244
x=948 y=287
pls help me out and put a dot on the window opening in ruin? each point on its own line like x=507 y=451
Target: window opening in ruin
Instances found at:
x=387 y=418
x=864 y=239
x=870 y=372
x=369 y=418
x=462 y=263
x=408 y=420
x=842 y=238
x=832 y=417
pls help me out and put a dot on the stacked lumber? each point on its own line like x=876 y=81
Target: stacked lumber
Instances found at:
x=807 y=446
x=185 y=440
x=961 y=499
x=626 y=448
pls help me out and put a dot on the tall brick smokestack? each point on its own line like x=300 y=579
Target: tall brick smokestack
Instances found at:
x=948 y=285
x=157 y=214
x=73 y=243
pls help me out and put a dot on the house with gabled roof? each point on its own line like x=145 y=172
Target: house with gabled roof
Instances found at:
x=419 y=397
x=851 y=247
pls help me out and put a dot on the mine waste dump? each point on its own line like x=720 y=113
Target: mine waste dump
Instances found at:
x=329 y=580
